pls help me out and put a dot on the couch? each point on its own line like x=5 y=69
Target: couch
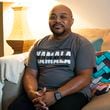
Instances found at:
x=11 y=71
x=12 y=68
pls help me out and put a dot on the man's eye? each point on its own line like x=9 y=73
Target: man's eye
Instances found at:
x=63 y=17
x=52 y=17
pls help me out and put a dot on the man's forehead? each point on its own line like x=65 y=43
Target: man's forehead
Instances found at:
x=61 y=10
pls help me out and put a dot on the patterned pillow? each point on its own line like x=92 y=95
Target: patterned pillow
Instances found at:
x=101 y=76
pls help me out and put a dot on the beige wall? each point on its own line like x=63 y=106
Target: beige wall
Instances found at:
x=90 y=13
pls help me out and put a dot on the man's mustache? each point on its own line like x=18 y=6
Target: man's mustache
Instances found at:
x=58 y=24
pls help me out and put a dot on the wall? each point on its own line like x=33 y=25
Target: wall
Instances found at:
x=87 y=14
x=90 y=13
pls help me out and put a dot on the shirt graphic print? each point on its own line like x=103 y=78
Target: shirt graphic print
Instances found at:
x=53 y=57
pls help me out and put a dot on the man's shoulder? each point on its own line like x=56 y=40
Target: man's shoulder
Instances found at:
x=79 y=37
x=42 y=39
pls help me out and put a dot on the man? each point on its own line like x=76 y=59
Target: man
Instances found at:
x=59 y=68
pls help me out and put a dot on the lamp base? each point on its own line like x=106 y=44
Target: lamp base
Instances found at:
x=20 y=46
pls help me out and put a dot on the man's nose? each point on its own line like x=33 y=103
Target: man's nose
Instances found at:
x=58 y=19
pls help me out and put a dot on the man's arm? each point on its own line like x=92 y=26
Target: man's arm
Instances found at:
x=30 y=82
x=31 y=86
x=76 y=84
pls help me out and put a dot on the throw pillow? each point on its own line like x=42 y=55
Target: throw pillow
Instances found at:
x=101 y=75
x=97 y=44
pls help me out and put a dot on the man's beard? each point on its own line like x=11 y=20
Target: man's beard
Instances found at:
x=57 y=33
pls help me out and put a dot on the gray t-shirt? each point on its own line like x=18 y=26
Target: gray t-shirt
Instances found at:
x=58 y=61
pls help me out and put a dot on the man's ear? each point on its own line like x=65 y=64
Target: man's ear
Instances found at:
x=72 y=21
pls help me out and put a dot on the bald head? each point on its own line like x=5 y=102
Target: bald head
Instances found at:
x=62 y=8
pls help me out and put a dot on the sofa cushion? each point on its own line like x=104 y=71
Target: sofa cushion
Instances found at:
x=101 y=102
x=97 y=44
x=10 y=92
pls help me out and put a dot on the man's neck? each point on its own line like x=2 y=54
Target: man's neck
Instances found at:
x=60 y=37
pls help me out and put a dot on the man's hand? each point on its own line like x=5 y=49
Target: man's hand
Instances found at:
x=40 y=105
x=38 y=102
x=45 y=100
x=48 y=98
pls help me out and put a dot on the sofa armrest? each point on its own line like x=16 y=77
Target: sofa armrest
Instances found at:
x=10 y=92
x=11 y=72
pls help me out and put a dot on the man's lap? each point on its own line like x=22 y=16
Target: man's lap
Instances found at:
x=74 y=101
